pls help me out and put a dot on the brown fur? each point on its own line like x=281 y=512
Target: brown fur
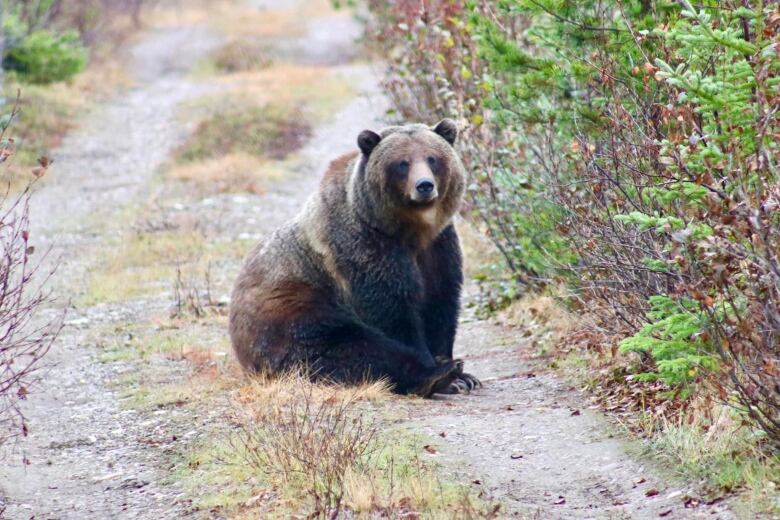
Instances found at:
x=338 y=286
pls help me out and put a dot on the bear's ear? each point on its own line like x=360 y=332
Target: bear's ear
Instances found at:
x=447 y=129
x=367 y=141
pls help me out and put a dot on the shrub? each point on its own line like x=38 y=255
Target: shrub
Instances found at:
x=628 y=149
x=24 y=339
x=94 y=20
x=323 y=452
x=47 y=57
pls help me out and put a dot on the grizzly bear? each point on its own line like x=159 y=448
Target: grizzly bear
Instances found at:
x=365 y=282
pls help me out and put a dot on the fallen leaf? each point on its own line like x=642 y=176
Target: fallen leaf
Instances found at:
x=516 y=456
x=651 y=492
x=575 y=412
x=665 y=513
x=429 y=448
x=443 y=434
x=559 y=501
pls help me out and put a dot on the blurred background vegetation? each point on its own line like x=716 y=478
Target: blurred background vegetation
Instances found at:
x=62 y=55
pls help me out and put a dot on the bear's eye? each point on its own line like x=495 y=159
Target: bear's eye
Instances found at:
x=403 y=167
x=432 y=162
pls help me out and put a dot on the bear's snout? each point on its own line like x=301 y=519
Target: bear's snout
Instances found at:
x=424 y=190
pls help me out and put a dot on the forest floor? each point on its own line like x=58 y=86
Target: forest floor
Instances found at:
x=147 y=245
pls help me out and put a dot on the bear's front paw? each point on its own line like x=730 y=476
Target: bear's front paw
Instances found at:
x=463 y=384
x=440 y=378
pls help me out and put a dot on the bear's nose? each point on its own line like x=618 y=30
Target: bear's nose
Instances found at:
x=424 y=187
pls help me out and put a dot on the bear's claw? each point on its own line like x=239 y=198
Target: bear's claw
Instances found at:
x=464 y=384
x=441 y=378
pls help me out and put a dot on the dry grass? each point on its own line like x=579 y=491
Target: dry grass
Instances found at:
x=307 y=442
x=240 y=56
x=235 y=18
x=713 y=445
x=274 y=131
x=478 y=251
x=234 y=172
x=240 y=146
x=263 y=391
x=317 y=89
x=322 y=452
x=142 y=263
x=544 y=320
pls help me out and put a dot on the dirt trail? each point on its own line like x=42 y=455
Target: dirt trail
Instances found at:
x=93 y=458
x=86 y=460
x=532 y=442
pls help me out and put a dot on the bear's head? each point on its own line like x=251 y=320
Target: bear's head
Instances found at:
x=409 y=179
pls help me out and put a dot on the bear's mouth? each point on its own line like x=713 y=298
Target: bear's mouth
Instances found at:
x=422 y=204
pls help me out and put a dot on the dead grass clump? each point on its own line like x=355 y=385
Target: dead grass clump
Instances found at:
x=270 y=391
x=544 y=320
x=235 y=172
x=263 y=131
x=323 y=454
x=479 y=253
x=240 y=56
x=237 y=18
x=309 y=445
x=715 y=446
x=192 y=298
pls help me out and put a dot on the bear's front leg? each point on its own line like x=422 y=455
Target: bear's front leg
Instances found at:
x=441 y=266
